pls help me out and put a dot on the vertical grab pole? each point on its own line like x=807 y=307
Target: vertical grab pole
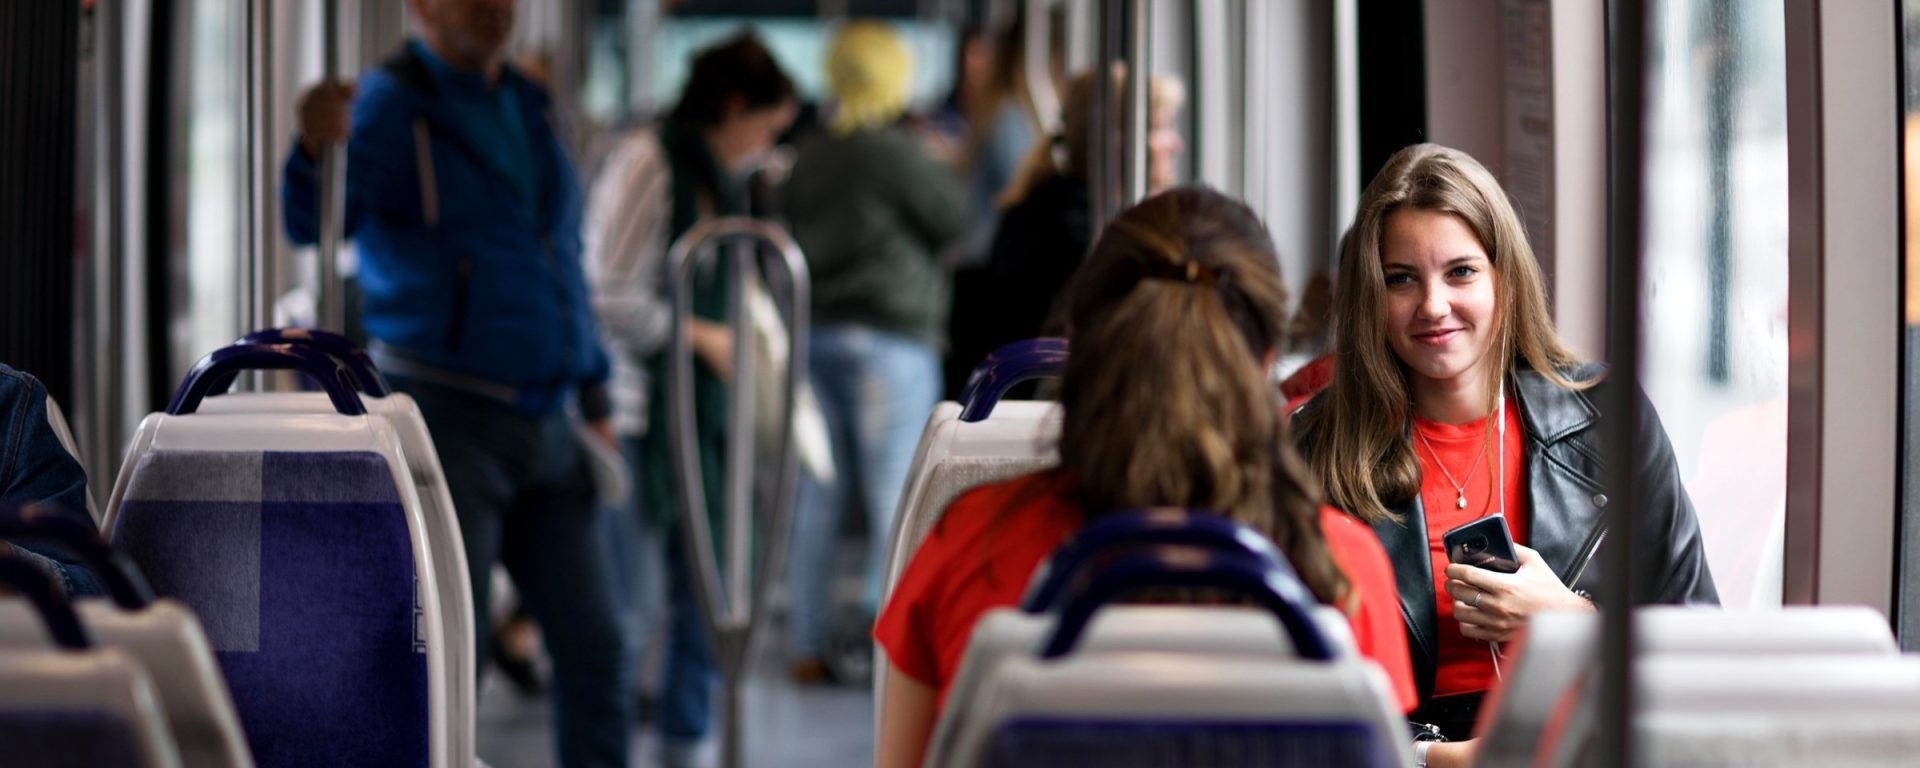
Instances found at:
x=259 y=171
x=734 y=609
x=1626 y=77
x=104 y=412
x=329 y=295
x=739 y=474
x=1139 y=37
x=1102 y=176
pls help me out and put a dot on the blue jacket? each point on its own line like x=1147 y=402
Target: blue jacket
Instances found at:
x=36 y=468
x=459 y=269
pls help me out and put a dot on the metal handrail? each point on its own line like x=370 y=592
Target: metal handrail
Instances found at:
x=733 y=608
x=330 y=310
x=1138 y=106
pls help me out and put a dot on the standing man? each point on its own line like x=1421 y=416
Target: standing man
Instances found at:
x=467 y=213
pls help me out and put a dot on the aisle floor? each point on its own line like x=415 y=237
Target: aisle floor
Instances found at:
x=813 y=726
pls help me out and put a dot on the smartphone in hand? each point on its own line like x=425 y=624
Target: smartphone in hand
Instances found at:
x=1483 y=543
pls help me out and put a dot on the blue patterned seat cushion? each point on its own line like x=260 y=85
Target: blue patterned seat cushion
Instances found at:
x=66 y=738
x=300 y=566
x=1066 y=742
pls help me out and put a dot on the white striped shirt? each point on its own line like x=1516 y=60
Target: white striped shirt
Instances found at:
x=629 y=215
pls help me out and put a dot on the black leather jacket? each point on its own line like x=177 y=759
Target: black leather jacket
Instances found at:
x=1565 y=501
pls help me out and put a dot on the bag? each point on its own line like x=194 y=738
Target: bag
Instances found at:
x=770 y=345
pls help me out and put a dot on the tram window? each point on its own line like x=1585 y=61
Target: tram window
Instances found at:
x=800 y=45
x=205 y=264
x=1716 y=277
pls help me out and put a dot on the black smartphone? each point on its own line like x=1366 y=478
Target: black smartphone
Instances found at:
x=1483 y=543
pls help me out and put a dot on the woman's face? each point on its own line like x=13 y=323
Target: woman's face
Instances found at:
x=747 y=134
x=1440 y=298
x=1163 y=151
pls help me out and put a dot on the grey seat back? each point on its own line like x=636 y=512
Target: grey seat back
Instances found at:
x=1709 y=679
x=1164 y=709
x=445 y=547
x=1217 y=631
x=168 y=643
x=69 y=709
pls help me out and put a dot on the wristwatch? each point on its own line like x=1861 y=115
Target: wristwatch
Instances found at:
x=1420 y=753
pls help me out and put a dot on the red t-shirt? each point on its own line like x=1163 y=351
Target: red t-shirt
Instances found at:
x=1466 y=666
x=990 y=541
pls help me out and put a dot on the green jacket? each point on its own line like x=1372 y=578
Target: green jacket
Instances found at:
x=872 y=211
x=695 y=176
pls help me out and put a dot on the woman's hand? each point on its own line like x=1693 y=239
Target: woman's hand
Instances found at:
x=713 y=345
x=1491 y=605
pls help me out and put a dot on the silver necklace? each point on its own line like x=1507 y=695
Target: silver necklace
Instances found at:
x=1459 y=488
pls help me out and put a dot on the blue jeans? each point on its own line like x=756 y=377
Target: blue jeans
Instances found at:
x=523 y=494
x=875 y=390
x=650 y=567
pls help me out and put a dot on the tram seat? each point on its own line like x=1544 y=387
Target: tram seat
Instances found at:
x=1218 y=631
x=1106 y=688
x=1545 y=713
x=1837 y=629
x=73 y=708
x=166 y=641
x=446 y=548
x=979 y=439
x=1764 y=710
x=955 y=456
x=298 y=539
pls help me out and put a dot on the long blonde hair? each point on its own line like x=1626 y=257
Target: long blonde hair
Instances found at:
x=1165 y=395
x=1355 y=431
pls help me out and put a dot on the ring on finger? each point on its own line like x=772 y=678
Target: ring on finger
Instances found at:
x=1476 y=600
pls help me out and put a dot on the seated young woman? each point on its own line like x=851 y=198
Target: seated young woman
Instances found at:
x=1175 y=318
x=1453 y=399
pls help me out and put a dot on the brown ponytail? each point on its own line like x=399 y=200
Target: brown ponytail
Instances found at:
x=1166 y=398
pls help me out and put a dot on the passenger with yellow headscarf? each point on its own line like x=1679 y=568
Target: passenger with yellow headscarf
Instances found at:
x=871 y=210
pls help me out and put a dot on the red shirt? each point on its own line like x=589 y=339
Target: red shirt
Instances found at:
x=990 y=541
x=1464 y=665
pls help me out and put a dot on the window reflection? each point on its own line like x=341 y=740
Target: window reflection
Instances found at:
x=207 y=294
x=1715 y=291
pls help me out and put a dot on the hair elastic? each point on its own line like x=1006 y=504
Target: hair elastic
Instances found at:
x=1187 y=271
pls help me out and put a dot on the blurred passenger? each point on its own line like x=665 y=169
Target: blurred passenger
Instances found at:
x=945 y=128
x=1175 y=320
x=872 y=212
x=1001 y=129
x=38 y=468
x=1048 y=227
x=1453 y=399
x=656 y=184
x=466 y=210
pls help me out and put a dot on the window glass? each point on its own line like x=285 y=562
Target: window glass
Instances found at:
x=1715 y=291
x=801 y=46
x=206 y=307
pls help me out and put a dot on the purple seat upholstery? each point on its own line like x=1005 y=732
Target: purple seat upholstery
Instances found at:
x=1059 y=743
x=61 y=738
x=300 y=567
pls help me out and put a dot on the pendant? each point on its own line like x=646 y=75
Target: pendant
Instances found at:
x=1460 y=501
